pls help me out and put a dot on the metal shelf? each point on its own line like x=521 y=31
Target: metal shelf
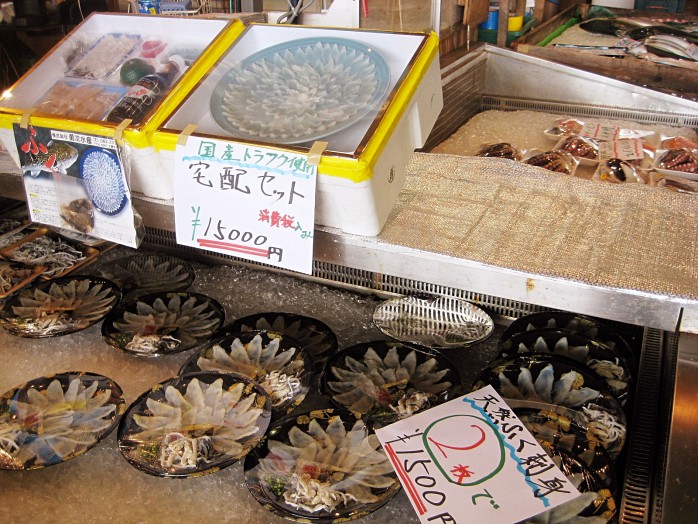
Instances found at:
x=497 y=78
x=346 y=259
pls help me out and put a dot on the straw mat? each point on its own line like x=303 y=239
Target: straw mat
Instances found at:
x=508 y=214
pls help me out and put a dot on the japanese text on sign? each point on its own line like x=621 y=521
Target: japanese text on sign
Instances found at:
x=472 y=460
x=600 y=132
x=246 y=201
x=623 y=149
x=88 y=140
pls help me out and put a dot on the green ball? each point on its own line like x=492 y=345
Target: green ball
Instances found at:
x=134 y=69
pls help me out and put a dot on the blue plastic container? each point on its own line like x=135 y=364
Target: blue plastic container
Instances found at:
x=666 y=6
x=492 y=21
x=149 y=7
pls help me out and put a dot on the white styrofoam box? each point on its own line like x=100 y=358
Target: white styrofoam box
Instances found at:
x=144 y=163
x=363 y=168
x=196 y=34
x=362 y=208
x=359 y=208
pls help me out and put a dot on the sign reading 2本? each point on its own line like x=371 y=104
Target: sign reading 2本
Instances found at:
x=250 y=202
x=472 y=460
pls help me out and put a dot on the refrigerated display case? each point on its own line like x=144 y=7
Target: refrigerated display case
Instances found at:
x=629 y=260
x=664 y=308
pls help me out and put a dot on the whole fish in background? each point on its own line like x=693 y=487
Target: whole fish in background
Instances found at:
x=637 y=28
x=658 y=38
x=672 y=47
x=609 y=25
x=59 y=156
x=641 y=33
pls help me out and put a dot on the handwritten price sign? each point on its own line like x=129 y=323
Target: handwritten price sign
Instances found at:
x=600 y=132
x=472 y=460
x=250 y=202
x=624 y=149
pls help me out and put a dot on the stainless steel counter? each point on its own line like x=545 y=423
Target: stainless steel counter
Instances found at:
x=680 y=494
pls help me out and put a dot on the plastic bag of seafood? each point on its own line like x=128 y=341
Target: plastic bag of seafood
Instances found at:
x=564 y=127
x=323 y=466
x=556 y=161
x=677 y=142
x=619 y=171
x=673 y=183
x=598 y=130
x=594 y=129
x=500 y=150
x=584 y=149
x=679 y=162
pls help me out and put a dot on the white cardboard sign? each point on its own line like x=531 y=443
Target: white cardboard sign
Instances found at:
x=600 y=132
x=246 y=201
x=472 y=460
x=624 y=149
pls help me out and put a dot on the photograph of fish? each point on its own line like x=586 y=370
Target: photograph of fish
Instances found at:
x=54 y=157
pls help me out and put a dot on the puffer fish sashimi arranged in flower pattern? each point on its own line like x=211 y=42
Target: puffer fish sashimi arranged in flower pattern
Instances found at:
x=317 y=86
x=385 y=378
x=321 y=469
x=194 y=425
x=595 y=356
x=555 y=380
x=53 y=419
x=59 y=307
x=149 y=273
x=314 y=336
x=276 y=363
x=163 y=323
